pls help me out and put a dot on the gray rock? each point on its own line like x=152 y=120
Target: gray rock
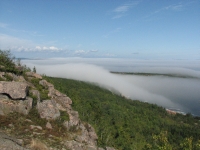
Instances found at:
x=110 y=148
x=16 y=90
x=16 y=77
x=46 y=84
x=74 y=145
x=32 y=74
x=48 y=110
x=63 y=102
x=49 y=126
x=2 y=74
x=87 y=135
x=10 y=143
x=21 y=106
x=35 y=127
x=100 y=148
x=35 y=93
x=74 y=120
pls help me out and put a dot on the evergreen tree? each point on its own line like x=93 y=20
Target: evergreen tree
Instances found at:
x=34 y=69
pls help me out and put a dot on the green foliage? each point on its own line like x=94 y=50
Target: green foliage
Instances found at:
x=34 y=69
x=187 y=144
x=34 y=103
x=161 y=142
x=1 y=79
x=64 y=116
x=26 y=69
x=7 y=62
x=126 y=124
x=40 y=88
x=35 y=117
x=8 y=77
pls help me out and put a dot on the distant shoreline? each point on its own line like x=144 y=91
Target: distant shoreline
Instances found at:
x=153 y=74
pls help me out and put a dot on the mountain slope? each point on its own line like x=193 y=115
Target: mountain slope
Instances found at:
x=127 y=124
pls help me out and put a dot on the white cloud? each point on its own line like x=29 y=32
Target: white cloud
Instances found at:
x=18 y=44
x=177 y=7
x=38 y=48
x=93 y=50
x=122 y=9
x=45 y=48
x=53 y=48
x=80 y=52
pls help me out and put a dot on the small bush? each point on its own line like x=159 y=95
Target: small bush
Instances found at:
x=64 y=116
x=8 y=77
x=42 y=90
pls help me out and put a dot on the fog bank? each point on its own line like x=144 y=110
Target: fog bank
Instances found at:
x=169 y=92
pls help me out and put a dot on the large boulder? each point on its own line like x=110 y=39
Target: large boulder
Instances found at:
x=74 y=120
x=46 y=84
x=48 y=110
x=62 y=100
x=15 y=90
x=21 y=106
x=87 y=135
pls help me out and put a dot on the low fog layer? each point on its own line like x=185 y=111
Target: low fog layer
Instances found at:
x=169 y=92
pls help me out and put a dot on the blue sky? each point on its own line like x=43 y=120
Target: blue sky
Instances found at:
x=143 y=29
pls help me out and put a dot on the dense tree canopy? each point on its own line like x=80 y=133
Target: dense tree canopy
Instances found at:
x=127 y=124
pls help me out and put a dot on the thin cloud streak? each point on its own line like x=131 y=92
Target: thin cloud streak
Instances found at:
x=176 y=8
x=122 y=9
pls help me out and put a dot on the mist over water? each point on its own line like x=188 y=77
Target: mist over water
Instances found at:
x=169 y=92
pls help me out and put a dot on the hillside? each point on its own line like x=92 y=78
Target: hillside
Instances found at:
x=127 y=124
x=36 y=116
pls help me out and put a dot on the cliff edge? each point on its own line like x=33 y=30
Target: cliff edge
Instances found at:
x=34 y=115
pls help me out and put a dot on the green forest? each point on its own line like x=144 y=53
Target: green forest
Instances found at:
x=130 y=124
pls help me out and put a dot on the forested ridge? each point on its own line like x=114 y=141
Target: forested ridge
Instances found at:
x=127 y=124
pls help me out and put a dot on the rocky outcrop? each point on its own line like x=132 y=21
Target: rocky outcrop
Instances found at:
x=48 y=110
x=15 y=90
x=16 y=77
x=74 y=120
x=21 y=106
x=87 y=135
x=32 y=74
x=63 y=102
x=10 y=143
x=14 y=97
